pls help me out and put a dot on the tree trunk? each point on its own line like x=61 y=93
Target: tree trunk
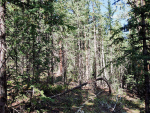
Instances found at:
x=86 y=57
x=103 y=59
x=3 y=86
x=33 y=59
x=145 y=54
x=79 y=63
x=95 y=49
x=142 y=33
x=52 y=61
x=47 y=57
x=78 y=49
x=64 y=67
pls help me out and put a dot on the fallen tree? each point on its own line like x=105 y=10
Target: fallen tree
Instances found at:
x=79 y=86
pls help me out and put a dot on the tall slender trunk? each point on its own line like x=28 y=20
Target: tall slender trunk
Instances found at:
x=145 y=54
x=111 y=64
x=50 y=64
x=99 y=55
x=95 y=54
x=64 y=66
x=109 y=34
x=37 y=65
x=28 y=57
x=79 y=63
x=104 y=65
x=52 y=61
x=33 y=58
x=103 y=59
x=142 y=33
x=50 y=67
x=3 y=86
x=79 y=49
x=47 y=57
x=95 y=45
x=61 y=59
x=95 y=48
x=86 y=57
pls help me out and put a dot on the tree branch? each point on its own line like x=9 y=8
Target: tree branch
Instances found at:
x=79 y=86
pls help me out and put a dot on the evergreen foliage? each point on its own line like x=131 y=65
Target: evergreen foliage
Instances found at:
x=51 y=44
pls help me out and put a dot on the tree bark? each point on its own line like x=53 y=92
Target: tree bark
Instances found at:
x=95 y=45
x=61 y=59
x=103 y=59
x=142 y=33
x=79 y=49
x=86 y=57
x=3 y=85
x=145 y=54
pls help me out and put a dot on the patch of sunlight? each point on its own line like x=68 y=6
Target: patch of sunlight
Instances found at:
x=91 y=93
x=74 y=106
x=120 y=91
x=131 y=110
x=134 y=111
x=89 y=103
x=8 y=97
x=142 y=105
x=92 y=97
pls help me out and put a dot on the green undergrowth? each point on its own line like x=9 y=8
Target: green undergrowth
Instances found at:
x=114 y=103
x=79 y=100
x=50 y=90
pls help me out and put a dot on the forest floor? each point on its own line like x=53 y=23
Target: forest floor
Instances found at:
x=82 y=101
x=85 y=101
x=103 y=102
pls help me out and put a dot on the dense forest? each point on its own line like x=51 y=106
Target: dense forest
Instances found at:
x=71 y=56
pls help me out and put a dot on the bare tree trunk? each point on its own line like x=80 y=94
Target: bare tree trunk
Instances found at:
x=109 y=33
x=103 y=59
x=52 y=61
x=95 y=50
x=87 y=58
x=60 y=70
x=104 y=66
x=111 y=65
x=99 y=64
x=65 y=67
x=63 y=60
x=3 y=86
x=50 y=69
x=79 y=63
x=95 y=54
x=95 y=45
x=79 y=49
x=48 y=58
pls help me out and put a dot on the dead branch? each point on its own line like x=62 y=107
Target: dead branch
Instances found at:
x=79 y=86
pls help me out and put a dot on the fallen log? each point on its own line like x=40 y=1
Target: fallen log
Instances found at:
x=106 y=83
x=79 y=86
